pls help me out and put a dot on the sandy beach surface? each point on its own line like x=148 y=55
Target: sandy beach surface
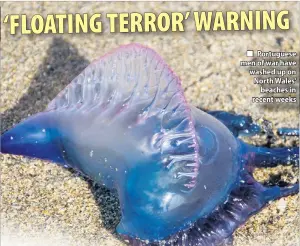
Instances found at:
x=43 y=204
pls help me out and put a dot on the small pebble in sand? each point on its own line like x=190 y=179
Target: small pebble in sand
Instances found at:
x=281 y=205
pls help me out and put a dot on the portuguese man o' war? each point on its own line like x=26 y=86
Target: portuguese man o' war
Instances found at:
x=183 y=176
